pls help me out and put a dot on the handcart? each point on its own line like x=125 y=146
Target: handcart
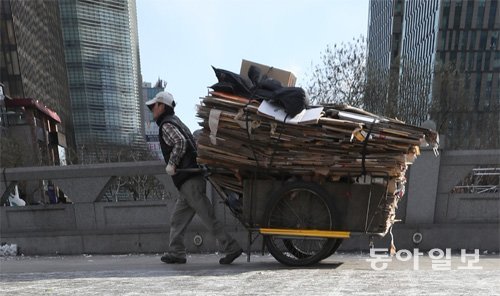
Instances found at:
x=303 y=222
x=304 y=187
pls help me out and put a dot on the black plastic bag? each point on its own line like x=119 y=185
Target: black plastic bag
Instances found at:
x=229 y=80
x=292 y=99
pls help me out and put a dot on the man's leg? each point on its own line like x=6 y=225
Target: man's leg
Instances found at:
x=182 y=215
x=194 y=191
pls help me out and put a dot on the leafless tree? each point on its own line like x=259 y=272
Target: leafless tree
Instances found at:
x=459 y=113
x=340 y=77
x=408 y=90
x=381 y=89
x=449 y=96
x=412 y=100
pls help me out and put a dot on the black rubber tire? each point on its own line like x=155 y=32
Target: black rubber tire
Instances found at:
x=296 y=251
x=300 y=205
x=336 y=245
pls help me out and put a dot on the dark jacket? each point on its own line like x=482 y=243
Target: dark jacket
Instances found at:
x=189 y=158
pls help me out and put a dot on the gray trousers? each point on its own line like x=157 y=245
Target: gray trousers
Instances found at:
x=193 y=200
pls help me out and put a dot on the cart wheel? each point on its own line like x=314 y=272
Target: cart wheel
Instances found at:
x=336 y=245
x=300 y=205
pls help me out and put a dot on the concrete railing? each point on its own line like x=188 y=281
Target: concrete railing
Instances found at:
x=443 y=219
x=87 y=226
x=85 y=183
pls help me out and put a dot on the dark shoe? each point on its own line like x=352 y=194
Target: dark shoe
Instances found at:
x=229 y=258
x=169 y=259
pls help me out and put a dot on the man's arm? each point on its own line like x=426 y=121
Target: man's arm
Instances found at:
x=173 y=137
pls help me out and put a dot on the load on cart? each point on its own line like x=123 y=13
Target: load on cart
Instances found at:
x=305 y=177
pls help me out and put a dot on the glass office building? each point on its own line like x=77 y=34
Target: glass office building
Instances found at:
x=151 y=130
x=102 y=56
x=418 y=54
x=468 y=39
x=384 y=36
x=448 y=64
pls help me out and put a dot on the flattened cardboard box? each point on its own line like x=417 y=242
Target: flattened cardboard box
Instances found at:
x=285 y=77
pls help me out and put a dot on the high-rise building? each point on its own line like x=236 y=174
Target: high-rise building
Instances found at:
x=418 y=60
x=448 y=66
x=150 y=126
x=468 y=40
x=33 y=72
x=102 y=56
x=384 y=49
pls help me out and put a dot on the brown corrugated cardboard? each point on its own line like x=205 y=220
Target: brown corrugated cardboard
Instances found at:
x=285 y=77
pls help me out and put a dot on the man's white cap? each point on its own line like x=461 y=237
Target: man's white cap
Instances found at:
x=162 y=97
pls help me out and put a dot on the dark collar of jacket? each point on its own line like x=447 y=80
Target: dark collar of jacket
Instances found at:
x=163 y=115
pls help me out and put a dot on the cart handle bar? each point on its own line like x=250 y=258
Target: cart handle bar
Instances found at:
x=202 y=169
x=191 y=170
x=305 y=232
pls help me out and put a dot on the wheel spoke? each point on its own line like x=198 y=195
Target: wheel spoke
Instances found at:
x=300 y=206
x=293 y=212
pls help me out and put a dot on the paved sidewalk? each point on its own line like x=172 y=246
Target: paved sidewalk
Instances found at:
x=344 y=274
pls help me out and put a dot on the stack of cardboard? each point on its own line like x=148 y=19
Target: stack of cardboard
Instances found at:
x=244 y=138
x=247 y=137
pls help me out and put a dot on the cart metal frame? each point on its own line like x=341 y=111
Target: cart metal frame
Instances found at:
x=360 y=215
